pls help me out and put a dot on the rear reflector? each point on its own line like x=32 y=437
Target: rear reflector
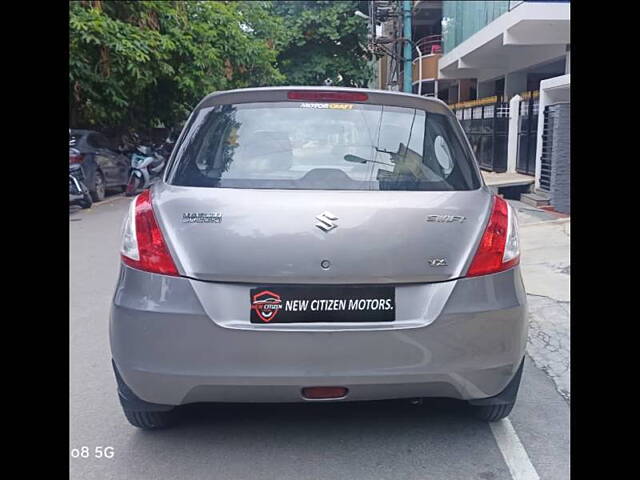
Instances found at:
x=499 y=247
x=76 y=158
x=143 y=246
x=333 y=96
x=324 y=392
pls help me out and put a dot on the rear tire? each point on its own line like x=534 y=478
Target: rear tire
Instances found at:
x=492 y=413
x=86 y=201
x=98 y=191
x=150 y=420
x=498 y=407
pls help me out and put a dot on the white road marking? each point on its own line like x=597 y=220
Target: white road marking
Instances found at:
x=512 y=451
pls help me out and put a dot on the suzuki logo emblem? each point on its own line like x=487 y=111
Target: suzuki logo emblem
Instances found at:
x=325 y=221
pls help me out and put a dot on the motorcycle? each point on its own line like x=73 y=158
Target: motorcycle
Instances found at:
x=78 y=191
x=146 y=166
x=166 y=147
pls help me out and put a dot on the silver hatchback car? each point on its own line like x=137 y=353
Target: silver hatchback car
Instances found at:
x=318 y=244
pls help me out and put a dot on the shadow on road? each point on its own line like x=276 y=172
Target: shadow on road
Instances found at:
x=438 y=439
x=319 y=415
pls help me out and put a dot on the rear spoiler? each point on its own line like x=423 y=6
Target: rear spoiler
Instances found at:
x=282 y=94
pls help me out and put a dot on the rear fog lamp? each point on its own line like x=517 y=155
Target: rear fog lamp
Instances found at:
x=315 y=393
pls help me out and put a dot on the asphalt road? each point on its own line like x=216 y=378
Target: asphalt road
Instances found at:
x=385 y=440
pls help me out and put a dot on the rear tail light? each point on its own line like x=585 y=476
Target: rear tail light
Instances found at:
x=143 y=246
x=332 y=96
x=499 y=247
x=75 y=157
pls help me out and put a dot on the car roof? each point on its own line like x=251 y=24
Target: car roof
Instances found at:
x=81 y=132
x=274 y=94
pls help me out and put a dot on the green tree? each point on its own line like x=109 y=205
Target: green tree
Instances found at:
x=145 y=63
x=324 y=39
x=149 y=62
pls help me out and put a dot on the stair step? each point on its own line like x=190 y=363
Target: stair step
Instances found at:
x=535 y=199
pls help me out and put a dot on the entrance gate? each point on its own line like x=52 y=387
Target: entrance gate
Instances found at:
x=486 y=123
x=527 y=135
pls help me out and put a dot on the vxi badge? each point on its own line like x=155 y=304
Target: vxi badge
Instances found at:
x=437 y=262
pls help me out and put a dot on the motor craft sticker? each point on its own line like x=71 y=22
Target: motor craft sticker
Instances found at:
x=322 y=304
x=331 y=106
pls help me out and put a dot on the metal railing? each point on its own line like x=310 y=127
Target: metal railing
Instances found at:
x=547 y=148
x=474 y=103
x=514 y=4
x=429 y=45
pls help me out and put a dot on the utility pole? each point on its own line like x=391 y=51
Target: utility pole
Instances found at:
x=406 y=14
x=393 y=42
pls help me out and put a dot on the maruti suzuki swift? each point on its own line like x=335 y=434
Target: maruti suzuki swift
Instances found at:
x=318 y=245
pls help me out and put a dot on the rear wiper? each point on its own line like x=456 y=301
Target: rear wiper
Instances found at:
x=357 y=159
x=382 y=150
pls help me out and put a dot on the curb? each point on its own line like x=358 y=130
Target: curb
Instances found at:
x=558 y=221
x=110 y=200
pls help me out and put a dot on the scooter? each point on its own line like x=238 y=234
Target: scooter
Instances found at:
x=78 y=191
x=145 y=167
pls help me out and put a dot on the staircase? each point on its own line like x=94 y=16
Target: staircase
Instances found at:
x=537 y=199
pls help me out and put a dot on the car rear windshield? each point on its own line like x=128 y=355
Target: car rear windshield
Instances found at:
x=323 y=146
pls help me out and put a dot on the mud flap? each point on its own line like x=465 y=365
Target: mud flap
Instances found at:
x=507 y=396
x=130 y=401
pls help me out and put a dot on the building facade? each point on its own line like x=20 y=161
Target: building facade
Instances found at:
x=503 y=66
x=503 y=47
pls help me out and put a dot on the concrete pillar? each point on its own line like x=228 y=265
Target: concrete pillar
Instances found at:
x=512 y=139
x=465 y=89
x=486 y=89
x=453 y=93
x=514 y=83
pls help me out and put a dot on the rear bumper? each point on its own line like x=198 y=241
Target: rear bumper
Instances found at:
x=169 y=351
